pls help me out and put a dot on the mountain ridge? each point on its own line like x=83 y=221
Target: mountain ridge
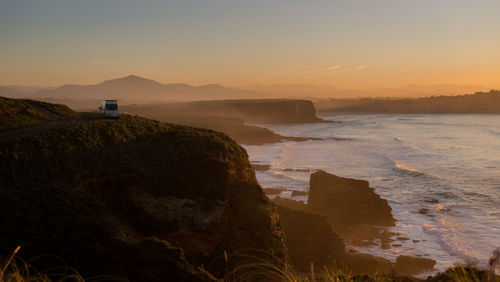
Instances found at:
x=137 y=89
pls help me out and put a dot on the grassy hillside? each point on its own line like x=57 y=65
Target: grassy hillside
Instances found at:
x=132 y=197
x=18 y=113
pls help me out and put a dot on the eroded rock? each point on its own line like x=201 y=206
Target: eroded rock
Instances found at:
x=347 y=201
x=310 y=238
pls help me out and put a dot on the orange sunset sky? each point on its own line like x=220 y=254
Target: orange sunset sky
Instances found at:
x=349 y=44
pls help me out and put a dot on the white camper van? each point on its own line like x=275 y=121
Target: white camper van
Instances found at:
x=109 y=109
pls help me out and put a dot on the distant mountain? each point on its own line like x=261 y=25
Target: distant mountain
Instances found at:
x=7 y=91
x=136 y=89
x=27 y=88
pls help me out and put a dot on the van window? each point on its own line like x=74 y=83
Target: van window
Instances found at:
x=112 y=107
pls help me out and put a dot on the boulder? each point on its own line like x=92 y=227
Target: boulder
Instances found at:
x=310 y=238
x=296 y=193
x=273 y=191
x=297 y=205
x=347 y=201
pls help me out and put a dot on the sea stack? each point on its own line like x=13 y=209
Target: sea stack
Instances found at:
x=347 y=201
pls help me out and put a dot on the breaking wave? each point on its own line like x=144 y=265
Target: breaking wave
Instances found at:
x=404 y=168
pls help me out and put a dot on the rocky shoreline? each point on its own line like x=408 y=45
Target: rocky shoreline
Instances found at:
x=341 y=209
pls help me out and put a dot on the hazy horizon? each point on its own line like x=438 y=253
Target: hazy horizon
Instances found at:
x=148 y=90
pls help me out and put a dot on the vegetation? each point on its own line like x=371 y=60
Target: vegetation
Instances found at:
x=11 y=271
x=256 y=268
x=18 y=113
x=132 y=197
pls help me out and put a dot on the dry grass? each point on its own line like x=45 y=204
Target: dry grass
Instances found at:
x=254 y=266
x=12 y=271
x=16 y=270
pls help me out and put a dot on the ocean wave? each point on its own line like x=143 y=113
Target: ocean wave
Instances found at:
x=448 y=238
x=442 y=208
x=407 y=169
x=284 y=156
x=411 y=146
x=281 y=174
x=404 y=168
x=447 y=195
x=290 y=178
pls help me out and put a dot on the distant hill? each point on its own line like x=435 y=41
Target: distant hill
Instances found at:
x=480 y=102
x=135 y=89
x=328 y=91
x=6 y=91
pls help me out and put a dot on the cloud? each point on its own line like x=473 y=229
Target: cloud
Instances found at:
x=303 y=70
x=331 y=69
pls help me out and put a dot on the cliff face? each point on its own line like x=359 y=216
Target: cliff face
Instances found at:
x=275 y=111
x=310 y=238
x=250 y=111
x=115 y=196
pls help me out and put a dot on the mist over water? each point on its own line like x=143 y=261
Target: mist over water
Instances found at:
x=440 y=174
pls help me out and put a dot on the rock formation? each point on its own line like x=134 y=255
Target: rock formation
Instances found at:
x=310 y=238
x=336 y=205
x=251 y=111
x=233 y=116
x=347 y=201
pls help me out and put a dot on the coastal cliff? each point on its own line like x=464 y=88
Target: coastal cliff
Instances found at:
x=234 y=116
x=132 y=197
x=251 y=111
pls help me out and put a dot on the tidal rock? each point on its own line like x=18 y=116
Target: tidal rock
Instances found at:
x=347 y=201
x=273 y=191
x=260 y=167
x=296 y=193
x=297 y=205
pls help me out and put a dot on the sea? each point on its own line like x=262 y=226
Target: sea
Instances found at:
x=440 y=174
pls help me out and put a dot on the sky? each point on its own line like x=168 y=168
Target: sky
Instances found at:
x=344 y=43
